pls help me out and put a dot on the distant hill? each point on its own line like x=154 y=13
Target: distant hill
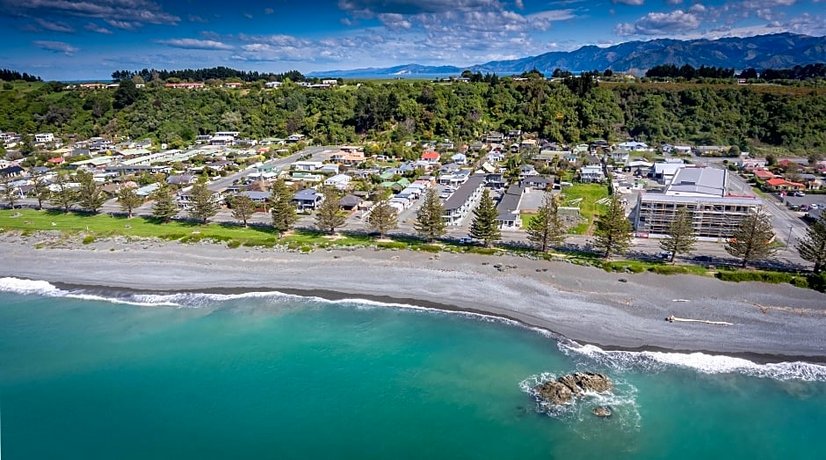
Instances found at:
x=761 y=52
x=402 y=71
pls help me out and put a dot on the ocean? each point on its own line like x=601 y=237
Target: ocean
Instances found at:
x=94 y=374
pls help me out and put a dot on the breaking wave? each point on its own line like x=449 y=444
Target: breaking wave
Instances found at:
x=658 y=361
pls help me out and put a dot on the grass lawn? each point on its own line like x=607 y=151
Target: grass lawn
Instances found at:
x=526 y=219
x=589 y=194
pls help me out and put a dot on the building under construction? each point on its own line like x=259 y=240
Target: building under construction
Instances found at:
x=703 y=192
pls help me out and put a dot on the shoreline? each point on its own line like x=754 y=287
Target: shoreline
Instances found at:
x=772 y=323
x=396 y=302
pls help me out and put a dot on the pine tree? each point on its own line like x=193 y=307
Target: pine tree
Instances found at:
x=613 y=230
x=242 y=208
x=546 y=229
x=281 y=207
x=382 y=218
x=429 y=222
x=813 y=246
x=753 y=239
x=64 y=196
x=329 y=215
x=40 y=191
x=165 y=207
x=128 y=199
x=484 y=226
x=89 y=196
x=681 y=238
x=10 y=194
x=202 y=204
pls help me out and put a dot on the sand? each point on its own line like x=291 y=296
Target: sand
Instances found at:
x=585 y=304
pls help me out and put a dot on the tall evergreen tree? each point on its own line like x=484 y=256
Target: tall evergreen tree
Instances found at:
x=165 y=207
x=681 y=238
x=281 y=207
x=202 y=203
x=128 y=199
x=613 y=229
x=40 y=190
x=329 y=216
x=382 y=218
x=10 y=194
x=64 y=195
x=812 y=247
x=90 y=197
x=752 y=240
x=242 y=208
x=484 y=226
x=429 y=222
x=546 y=228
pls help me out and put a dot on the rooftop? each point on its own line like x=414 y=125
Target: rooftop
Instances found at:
x=460 y=196
x=705 y=181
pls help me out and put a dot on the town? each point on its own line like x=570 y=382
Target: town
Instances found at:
x=719 y=186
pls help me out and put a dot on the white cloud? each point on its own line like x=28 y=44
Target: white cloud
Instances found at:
x=138 y=11
x=125 y=25
x=56 y=47
x=675 y=22
x=54 y=26
x=92 y=27
x=196 y=44
x=629 y=2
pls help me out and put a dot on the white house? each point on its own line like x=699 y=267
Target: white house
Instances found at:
x=591 y=173
x=43 y=138
x=307 y=165
x=339 y=181
x=273 y=84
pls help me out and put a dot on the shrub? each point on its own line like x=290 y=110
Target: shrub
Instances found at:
x=233 y=244
x=391 y=245
x=817 y=281
x=669 y=270
x=430 y=248
x=88 y=239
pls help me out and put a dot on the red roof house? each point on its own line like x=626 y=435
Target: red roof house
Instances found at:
x=56 y=160
x=778 y=184
x=763 y=174
x=431 y=157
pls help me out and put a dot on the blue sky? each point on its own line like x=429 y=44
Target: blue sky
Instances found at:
x=83 y=39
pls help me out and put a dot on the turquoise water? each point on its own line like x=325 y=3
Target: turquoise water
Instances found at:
x=285 y=377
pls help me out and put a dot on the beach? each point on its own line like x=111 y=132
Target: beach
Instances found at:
x=585 y=304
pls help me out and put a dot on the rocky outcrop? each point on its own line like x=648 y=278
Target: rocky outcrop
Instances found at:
x=602 y=411
x=567 y=387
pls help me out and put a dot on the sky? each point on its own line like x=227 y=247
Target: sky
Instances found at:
x=88 y=39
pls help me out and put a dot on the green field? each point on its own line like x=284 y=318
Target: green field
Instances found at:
x=589 y=194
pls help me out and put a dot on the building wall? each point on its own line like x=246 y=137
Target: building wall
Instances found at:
x=718 y=219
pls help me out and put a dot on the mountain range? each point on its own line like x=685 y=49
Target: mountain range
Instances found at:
x=761 y=52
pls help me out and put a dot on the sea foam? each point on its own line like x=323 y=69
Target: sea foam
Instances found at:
x=656 y=361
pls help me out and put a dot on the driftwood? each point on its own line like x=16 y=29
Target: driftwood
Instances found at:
x=674 y=319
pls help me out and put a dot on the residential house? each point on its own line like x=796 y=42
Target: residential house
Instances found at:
x=330 y=168
x=257 y=196
x=494 y=137
x=664 y=171
x=507 y=210
x=339 y=181
x=307 y=165
x=43 y=138
x=307 y=199
x=812 y=181
x=431 y=157
x=348 y=156
x=591 y=174
x=350 y=202
x=181 y=180
x=779 y=184
x=459 y=159
x=538 y=182
x=186 y=85
x=273 y=84
x=710 y=150
x=11 y=171
x=763 y=174
x=293 y=138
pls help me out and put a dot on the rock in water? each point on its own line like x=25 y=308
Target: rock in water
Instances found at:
x=565 y=388
x=602 y=411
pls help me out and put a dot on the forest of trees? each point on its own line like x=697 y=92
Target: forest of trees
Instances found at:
x=688 y=72
x=13 y=75
x=797 y=72
x=219 y=73
x=572 y=110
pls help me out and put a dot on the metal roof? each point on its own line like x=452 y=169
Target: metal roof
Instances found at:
x=464 y=192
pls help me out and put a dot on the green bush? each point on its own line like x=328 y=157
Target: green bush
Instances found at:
x=233 y=244
x=430 y=248
x=817 y=281
x=483 y=251
x=391 y=245
x=88 y=239
x=761 y=276
x=669 y=270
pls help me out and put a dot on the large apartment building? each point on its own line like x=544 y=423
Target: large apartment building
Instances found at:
x=703 y=192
